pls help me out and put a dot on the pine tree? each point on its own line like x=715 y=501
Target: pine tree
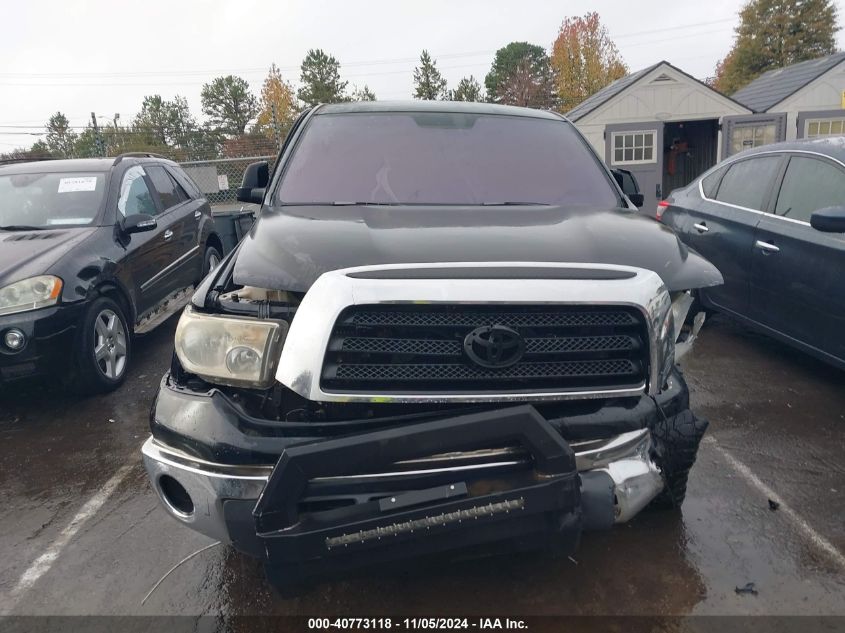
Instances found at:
x=468 y=90
x=363 y=94
x=320 y=77
x=429 y=83
x=60 y=139
x=522 y=75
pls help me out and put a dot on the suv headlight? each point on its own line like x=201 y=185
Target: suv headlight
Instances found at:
x=229 y=350
x=30 y=294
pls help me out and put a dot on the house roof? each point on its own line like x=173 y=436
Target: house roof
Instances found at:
x=774 y=86
x=607 y=93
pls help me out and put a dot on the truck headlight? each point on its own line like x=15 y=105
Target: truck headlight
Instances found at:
x=30 y=294
x=229 y=350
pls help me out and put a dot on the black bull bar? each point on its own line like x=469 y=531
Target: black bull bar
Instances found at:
x=538 y=503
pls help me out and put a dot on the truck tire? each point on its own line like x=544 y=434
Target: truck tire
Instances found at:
x=211 y=259
x=676 y=441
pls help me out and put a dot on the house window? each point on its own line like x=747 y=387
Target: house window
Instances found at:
x=824 y=127
x=748 y=136
x=633 y=147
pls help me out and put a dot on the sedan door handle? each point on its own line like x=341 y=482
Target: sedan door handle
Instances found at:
x=168 y=234
x=197 y=215
x=701 y=228
x=766 y=247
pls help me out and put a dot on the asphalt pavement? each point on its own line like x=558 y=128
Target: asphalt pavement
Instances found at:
x=81 y=531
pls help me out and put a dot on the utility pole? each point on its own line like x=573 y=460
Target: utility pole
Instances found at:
x=118 y=142
x=101 y=146
x=276 y=127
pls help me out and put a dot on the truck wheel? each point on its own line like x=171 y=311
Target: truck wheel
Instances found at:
x=676 y=442
x=210 y=261
x=103 y=348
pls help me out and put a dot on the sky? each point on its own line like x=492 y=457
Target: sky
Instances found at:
x=79 y=56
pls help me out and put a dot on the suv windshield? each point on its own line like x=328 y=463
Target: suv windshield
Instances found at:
x=442 y=158
x=47 y=200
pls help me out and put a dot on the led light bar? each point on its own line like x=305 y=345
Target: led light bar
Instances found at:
x=406 y=527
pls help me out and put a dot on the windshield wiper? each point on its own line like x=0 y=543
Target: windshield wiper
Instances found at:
x=22 y=227
x=511 y=203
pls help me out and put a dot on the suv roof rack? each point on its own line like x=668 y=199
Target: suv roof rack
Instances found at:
x=34 y=159
x=120 y=157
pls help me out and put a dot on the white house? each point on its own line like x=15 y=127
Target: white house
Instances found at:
x=661 y=124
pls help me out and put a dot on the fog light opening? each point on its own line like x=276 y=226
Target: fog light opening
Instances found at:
x=176 y=496
x=14 y=340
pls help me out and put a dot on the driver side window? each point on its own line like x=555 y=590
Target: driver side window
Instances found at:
x=135 y=196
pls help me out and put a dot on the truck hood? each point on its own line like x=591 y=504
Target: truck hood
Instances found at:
x=25 y=254
x=290 y=248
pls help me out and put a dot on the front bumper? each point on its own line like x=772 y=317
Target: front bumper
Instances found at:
x=626 y=459
x=49 y=334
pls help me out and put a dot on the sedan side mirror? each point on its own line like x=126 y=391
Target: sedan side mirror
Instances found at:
x=829 y=220
x=254 y=184
x=139 y=223
x=637 y=199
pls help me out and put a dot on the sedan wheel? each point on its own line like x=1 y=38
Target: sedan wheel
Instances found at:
x=110 y=350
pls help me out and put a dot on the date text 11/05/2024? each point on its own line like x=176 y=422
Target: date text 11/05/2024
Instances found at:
x=355 y=624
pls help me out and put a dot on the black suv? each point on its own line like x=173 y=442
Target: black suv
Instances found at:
x=92 y=250
x=449 y=328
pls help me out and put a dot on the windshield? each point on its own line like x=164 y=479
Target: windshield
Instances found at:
x=442 y=158
x=47 y=200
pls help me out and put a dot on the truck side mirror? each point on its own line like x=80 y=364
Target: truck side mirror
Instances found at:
x=829 y=220
x=254 y=183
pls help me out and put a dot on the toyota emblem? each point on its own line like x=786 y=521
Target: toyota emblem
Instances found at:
x=494 y=346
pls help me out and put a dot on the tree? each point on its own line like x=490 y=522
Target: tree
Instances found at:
x=528 y=86
x=320 y=78
x=277 y=105
x=521 y=75
x=87 y=144
x=38 y=150
x=429 y=83
x=584 y=60
x=165 y=123
x=363 y=94
x=181 y=125
x=776 y=33
x=468 y=90
x=60 y=139
x=229 y=104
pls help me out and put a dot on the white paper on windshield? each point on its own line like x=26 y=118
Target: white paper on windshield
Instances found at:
x=80 y=183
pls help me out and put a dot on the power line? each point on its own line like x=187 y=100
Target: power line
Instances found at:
x=354 y=64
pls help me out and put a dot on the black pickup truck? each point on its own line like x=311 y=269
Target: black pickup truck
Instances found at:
x=448 y=329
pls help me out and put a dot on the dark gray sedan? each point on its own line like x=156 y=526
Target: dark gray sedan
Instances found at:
x=772 y=219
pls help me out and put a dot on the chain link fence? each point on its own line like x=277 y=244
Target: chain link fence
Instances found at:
x=219 y=178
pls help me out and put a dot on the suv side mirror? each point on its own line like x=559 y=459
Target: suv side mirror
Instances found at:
x=255 y=181
x=139 y=223
x=829 y=220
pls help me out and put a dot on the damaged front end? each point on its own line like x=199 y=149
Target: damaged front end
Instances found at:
x=355 y=425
